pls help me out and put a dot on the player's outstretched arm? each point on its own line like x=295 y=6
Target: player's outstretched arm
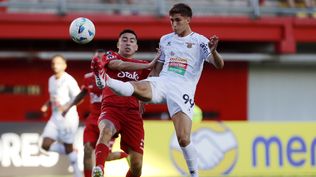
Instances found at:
x=157 y=66
x=156 y=70
x=78 y=99
x=131 y=66
x=217 y=61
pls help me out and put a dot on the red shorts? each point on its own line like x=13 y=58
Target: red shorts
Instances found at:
x=128 y=123
x=91 y=130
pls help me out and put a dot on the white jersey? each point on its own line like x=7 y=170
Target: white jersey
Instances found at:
x=62 y=91
x=183 y=58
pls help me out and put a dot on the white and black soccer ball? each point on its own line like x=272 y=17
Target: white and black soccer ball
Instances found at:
x=82 y=30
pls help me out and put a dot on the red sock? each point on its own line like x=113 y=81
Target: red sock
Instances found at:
x=87 y=173
x=129 y=174
x=123 y=155
x=101 y=153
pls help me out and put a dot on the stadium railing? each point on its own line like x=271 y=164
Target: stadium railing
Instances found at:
x=152 y=7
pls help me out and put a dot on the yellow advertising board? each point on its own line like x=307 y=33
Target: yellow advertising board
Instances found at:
x=230 y=148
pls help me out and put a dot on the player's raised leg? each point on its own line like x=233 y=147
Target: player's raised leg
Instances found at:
x=140 y=89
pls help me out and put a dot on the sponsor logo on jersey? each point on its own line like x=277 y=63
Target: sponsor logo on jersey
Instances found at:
x=178 y=65
x=133 y=75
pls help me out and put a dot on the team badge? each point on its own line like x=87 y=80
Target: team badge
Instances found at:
x=189 y=44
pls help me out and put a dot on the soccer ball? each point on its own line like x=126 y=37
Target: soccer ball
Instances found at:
x=82 y=30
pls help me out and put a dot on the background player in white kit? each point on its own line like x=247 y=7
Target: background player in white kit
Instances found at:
x=59 y=132
x=183 y=53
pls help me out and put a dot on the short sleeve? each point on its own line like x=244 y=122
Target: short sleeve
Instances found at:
x=74 y=89
x=161 y=47
x=205 y=52
x=109 y=56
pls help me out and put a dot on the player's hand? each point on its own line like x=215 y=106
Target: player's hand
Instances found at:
x=153 y=62
x=212 y=44
x=64 y=112
x=44 y=108
x=97 y=64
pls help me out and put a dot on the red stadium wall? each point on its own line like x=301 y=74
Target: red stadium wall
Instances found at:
x=15 y=107
x=285 y=32
x=222 y=94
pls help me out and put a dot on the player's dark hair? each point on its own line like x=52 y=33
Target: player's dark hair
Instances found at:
x=128 y=31
x=100 y=51
x=181 y=8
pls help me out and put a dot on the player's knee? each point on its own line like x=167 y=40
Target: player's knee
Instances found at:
x=45 y=146
x=183 y=141
x=142 y=91
x=68 y=148
x=47 y=142
x=87 y=150
x=106 y=132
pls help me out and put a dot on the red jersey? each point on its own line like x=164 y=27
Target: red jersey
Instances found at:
x=109 y=98
x=94 y=92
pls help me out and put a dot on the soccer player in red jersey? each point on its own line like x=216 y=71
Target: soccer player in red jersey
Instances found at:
x=91 y=130
x=121 y=115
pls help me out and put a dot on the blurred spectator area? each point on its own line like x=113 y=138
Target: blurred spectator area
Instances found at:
x=253 y=8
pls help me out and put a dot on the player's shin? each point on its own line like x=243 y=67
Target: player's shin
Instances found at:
x=120 y=88
x=190 y=156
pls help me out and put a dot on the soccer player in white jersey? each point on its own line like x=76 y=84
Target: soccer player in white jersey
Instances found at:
x=183 y=53
x=59 y=132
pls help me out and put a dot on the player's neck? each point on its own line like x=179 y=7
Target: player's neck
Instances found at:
x=126 y=56
x=58 y=75
x=185 y=32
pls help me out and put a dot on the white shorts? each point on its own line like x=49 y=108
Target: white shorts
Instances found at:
x=177 y=97
x=61 y=129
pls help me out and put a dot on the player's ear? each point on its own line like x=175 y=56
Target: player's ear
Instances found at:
x=65 y=67
x=136 y=47
x=188 y=19
x=117 y=44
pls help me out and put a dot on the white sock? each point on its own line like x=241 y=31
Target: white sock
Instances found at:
x=74 y=163
x=190 y=156
x=119 y=87
x=57 y=147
